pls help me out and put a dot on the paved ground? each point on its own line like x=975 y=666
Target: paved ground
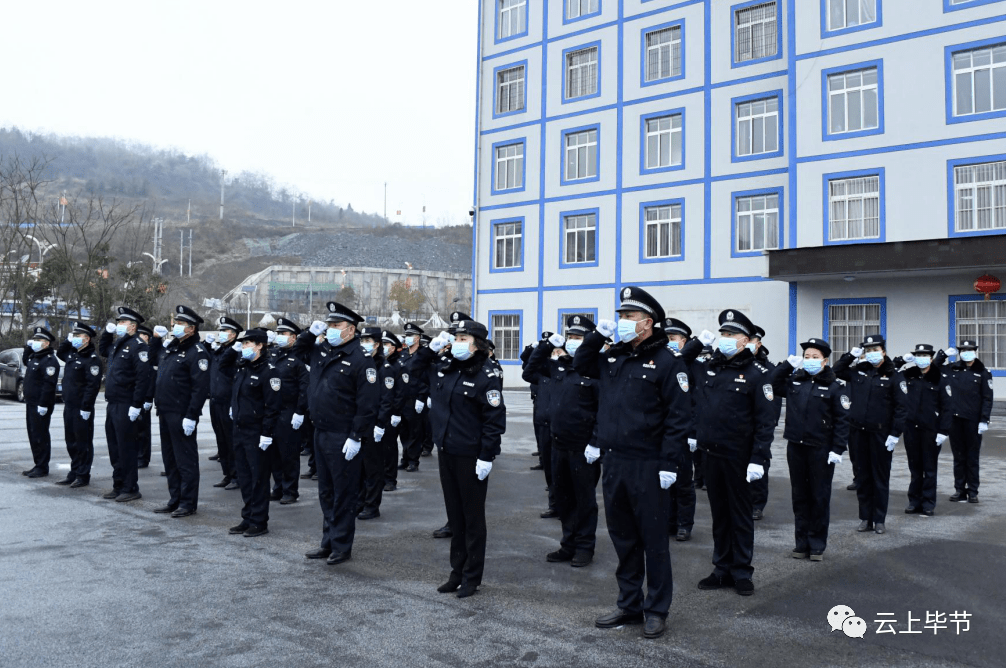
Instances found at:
x=93 y=583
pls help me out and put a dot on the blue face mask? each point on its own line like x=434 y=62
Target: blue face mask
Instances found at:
x=77 y=342
x=673 y=345
x=727 y=345
x=120 y=330
x=36 y=345
x=248 y=352
x=627 y=330
x=813 y=366
x=875 y=358
x=923 y=362
x=410 y=341
x=368 y=346
x=752 y=347
x=571 y=347
x=334 y=336
x=968 y=355
x=178 y=331
x=460 y=351
x=282 y=340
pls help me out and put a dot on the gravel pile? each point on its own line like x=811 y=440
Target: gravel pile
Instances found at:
x=341 y=249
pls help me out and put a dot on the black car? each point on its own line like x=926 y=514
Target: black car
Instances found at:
x=12 y=374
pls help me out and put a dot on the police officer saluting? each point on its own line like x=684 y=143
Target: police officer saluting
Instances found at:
x=81 y=384
x=127 y=384
x=223 y=365
x=40 y=378
x=682 y=517
x=759 y=487
x=643 y=421
x=293 y=373
x=153 y=342
x=373 y=341
x=413 y=428
x=922 y=424
x=966 y=408
x=389 y=420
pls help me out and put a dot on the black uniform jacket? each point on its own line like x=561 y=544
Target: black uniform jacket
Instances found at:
x=817 y=407
x=41 y=374
x=256 y=397
x=81 y=376
x=183 y=378
x=416 y=384
x=390 y=372
x=294 y=377
x=525 y=355
x=222 y=368
x=156 y=346
x=467 y=413
x=343 y=395
x=644 y=406
x=127 y=378
x=572 y=408
x=967 y=394
x=879 y=395
x=924 y=391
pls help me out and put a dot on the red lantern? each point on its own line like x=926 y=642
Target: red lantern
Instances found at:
x=987 y=285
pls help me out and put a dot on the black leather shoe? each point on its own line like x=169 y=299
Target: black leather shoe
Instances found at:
x=581 y=559
x=618 y=618
x=757 y=514
x=716 y=582
x=304 y=452
x=879 y=528
x=165 y=510
x=79 y=482
x=320 y=553
x=412 y=468
x=390 y=487
x=443 y=532
x=28 y=472
x=800 y=553
x=654 y=626
x=973 y=498
x=222 y=483
x=338 y=558
x=275 y=496
x=865 y=525
x=142 y=464
x=129 y=496
x=927 y=513
x=184 y=512
x=683 y=535
x=912 y=510
x=110 y=495
x=425 y=453
x=164 y=474
x=958 y=496
x=537 y=467
x=744 y=587
x=817 y=556
x=369 y=514
x=241 y=528
x=214 y=458
x=38 y=473
x=255 y=531
x=558 y=556
x=450 y=586
x=852 y=487
x=536 y=454
x=287 y=500
x=549 y=514
x=306 y=476
x=314 y=476
x=233 y=484
x=402 y=466
x=66 y=481
x=467 y=590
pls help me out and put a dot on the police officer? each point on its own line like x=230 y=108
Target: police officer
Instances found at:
x=879 y=409
x=40 y=377
x=377 y=344
x=256 y=401
x=736 y=417
x=81 y=384
x=572 y=415
x=147 y=335
x=922 y=371
x=682 y=516
x=424 y=341
x=288 y=438
x=817 y=432
x=127 y=384
x=223 y=365
x=543 y=434
x=759 y=487
x=183 y=383
x=643 y=421
x=343 y=399
x=965 y=411
x=389 y=418
x=413 y=426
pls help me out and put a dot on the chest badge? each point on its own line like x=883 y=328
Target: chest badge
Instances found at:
x=494 y=398
x=405 y=378
x=51 y=370
x=389 y=382
x=204 y=365
x=767 y=391
x=683 y=381
x=95 y=370
x=274 y=383
x=143 y=356
x=949 y=391
x=846 y=402
x=904 y=387
x=711 y=373
x=611 y=359
x=990 y=383
x=371 y=375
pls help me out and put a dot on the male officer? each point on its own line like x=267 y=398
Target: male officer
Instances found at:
x=390 y=421
x=965 y=411
x=879 y=409
x=147 y=335
x=736 y=417
x=183 y=383
x=389 y=375
x=682 y=517
x=643 y=421
x=81 y=384
x=424 y=341
x=223 y=363
x=343 y=399
x=759 y=487
x=921 y=444
x=293 y=375
x=417 y=390
x=543 y=433
x=127 y=384
x=40 y=377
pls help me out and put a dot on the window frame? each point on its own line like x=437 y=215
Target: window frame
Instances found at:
x=826 y=14
x=734 y=196
x=565 y=312
x=563 y=181
x=497 y=7
x=522 y=141
x=520 y=335
x=954 y=300
x=952 y=166
x=853 y=301
x=496 y=88
x=563 y=215
x=950 y=80
x=679 y=23
x=826 y=74
x=493 y=269
x=879 y=172
x=582 y=17
x=948 y=6
x=643 y=206
x=565 y=71
x=734 y=63
x=643 y=169
x=743 y=99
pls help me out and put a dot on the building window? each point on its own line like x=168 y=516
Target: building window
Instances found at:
x=506 y=335
x=509 y=240
x=663 y=54
x=512 y=18
x=984 y=322
x=845 y=14
x=662 y=231
x=850 y=324
x=756 y=31
x=954 y=5
x=758 y=126
x=757 y=220
x=664 y=141
x=980 y=80
x=510 y=90
x=579 y=9
x=581 y=73
x=581 y=155
x=510 y=167
x=854 y=208
x=580 y=239
x=853 y=101
x=980 y=197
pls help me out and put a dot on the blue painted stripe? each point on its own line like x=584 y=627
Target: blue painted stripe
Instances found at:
x=791 y=127
x=609 y=286
x=707 y=112
x=792 y=317
x=903 y=147
x=475 y=188
x=744 y=80
x=618 y=151
x=542 y=143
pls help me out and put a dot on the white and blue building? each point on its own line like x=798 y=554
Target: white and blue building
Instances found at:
x=831 y=167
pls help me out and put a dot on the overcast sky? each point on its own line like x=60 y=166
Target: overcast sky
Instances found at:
x=332 y=97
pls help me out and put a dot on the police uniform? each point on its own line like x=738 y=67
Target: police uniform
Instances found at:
x=817 y=424
x=412 y=430
x=879 y=409
x=289 y=438
x=343 y=399
x=183 y=383
x=424 y=341
x=643 y=420
x=223 y=365
x=143 y=422
x=81 y=383
x=389 y=416
x=41 y=375
x=921 y=427
x=542 y=434
x=682 y=515
x=965 y=411
x=368 y=502
x=759 y=488
x=256 y=403
x=127 y=384
x=572 y=414
x=735 y=424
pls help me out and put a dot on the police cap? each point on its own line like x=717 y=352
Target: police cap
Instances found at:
x=817 y=344
x=144 y=329
x=389 y=337
x=473 y=328
x=371 y=333
x=413 y=328
x=735 y=322
x=675 y=326
x=84 y=328
x=339 y=313
x=43 y=333
x=229 y=323
x=968 y=344
x=185 y=314
x=638 y=299
x=873 y=340
x=256 y=335
x=923 y=349
x=126 y=313
x=286 y=325
x=579 y=324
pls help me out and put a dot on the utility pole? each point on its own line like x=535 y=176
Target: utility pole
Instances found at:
x=385 y=200
x=188 y=213
x=293 y=213
x=181 y=253
x=190 y=252
x=223 y=175
x=308 y=212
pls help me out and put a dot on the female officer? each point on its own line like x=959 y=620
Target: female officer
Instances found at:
x=468 y=419
x=255 y=406
x=921 y=444
x=817 y=431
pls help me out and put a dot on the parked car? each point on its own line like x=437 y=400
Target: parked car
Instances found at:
x=12 y=374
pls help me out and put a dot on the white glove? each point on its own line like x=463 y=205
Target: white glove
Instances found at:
x=264 y=442
x=211 y=337
x=378 y=434
x=909 y=358
x=238 y=347
x=147 y=406
x=396 y=420
x=351 y=449
x=856 y=352
x=42 y=410
x=230 y=413
x=441 y=342
x=795 y=361
x=557 y=340
x=86 y=415
x=707 y=337
x=28 y=343
x=215 y=346
x=419 y=406
x=607 y=328
x=318 y=328
x=166 y=343
x=482 y=469
x=755 y=472
x=667 y=479
x=951 y=352
x=297 y=421
x=429 y=402
x=270 y=336
x=592 y=454
x=891 y=442
x=941 y=439
x=69 y=337
x=834 y=458
x=134 y=413
x=188 y=426
x=110 y=328
x=982 y=427
x=534 y=344
x=161 y=331
x=693 y=445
